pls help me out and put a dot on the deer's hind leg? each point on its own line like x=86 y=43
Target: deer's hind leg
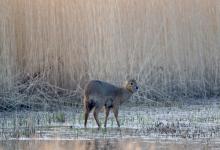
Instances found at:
x=86 y=115
x=88 y=106
x=108 y=106
x=106 y=115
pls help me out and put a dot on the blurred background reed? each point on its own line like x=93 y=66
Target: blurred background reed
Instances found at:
x=171 y=47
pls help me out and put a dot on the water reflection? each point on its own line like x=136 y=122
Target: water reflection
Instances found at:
x=104 y=144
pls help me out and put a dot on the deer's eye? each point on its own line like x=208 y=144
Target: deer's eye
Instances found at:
x=131 y=83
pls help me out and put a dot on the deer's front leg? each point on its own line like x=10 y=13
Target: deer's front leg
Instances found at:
x=115 y=111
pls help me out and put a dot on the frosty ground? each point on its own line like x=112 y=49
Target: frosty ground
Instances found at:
x=184 y=124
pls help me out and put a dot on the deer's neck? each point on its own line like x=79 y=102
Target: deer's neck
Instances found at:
x=125 y=95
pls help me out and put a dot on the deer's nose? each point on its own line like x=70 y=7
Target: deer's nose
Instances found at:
x=136 y=88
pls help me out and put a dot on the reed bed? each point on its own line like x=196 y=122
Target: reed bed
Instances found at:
x=171 y=47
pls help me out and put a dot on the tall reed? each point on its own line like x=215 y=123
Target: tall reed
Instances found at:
x=172 y=47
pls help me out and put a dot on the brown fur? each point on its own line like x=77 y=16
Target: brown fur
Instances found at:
x=99 y=94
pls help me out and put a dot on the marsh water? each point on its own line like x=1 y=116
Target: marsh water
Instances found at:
x=188 y=126
x=105 y=144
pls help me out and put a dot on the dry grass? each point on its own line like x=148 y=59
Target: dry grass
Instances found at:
x=170 y=46
x=34 y=93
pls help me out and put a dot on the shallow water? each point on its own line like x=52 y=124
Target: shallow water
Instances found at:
x=183 y=127
x=128 y=144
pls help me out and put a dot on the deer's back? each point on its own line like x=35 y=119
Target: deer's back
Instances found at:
x=101 y=88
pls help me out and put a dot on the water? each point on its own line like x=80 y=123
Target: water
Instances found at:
x=128 y=144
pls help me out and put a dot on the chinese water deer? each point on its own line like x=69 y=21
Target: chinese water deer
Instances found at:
x=99 y=94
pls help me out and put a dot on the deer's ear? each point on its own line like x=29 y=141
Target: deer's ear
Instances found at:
x=127 y=77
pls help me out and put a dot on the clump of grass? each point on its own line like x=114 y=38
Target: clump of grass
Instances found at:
x=59 y=117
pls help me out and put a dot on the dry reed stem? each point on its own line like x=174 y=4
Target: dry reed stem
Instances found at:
x=171 y=47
